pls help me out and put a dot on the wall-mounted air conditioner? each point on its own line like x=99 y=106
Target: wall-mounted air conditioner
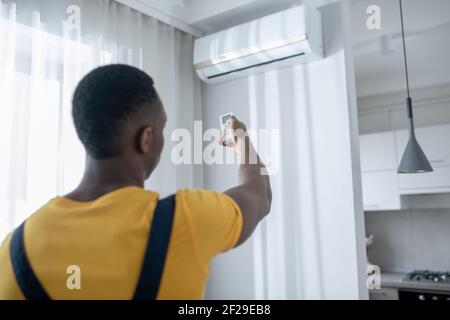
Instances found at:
x=282 y=39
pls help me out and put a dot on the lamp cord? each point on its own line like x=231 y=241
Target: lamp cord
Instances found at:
x=404 y=48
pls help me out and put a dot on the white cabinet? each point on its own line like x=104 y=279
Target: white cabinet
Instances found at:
x=380 y=156
x=384 y=294
x=379 y=177
x=437 y=181
x=380 y=191
x=378 y=152
x=435 y=142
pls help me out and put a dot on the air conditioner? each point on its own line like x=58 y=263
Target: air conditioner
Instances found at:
x=289 y=37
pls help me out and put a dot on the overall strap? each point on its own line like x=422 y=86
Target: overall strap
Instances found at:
x=28 y=282
x=156 y=251
x=152 y=267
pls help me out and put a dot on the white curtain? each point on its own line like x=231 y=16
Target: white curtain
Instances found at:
x=46 y=46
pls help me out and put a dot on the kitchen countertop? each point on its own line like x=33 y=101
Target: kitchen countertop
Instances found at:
x=396 y=280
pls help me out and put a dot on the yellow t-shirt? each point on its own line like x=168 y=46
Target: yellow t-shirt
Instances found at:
x=107 y=238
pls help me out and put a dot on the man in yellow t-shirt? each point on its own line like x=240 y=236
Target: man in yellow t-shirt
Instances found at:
x=106 y=239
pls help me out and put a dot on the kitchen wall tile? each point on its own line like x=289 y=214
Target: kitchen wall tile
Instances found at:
x=410 y=239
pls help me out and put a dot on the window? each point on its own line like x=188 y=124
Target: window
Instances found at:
x=42 y=156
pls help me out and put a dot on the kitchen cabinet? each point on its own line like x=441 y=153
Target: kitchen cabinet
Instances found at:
x=379 y=176
x=436 y=145
x=437 y=181
x=384 y=294
x=378 y=152
x=380 y=191
x=380 y=156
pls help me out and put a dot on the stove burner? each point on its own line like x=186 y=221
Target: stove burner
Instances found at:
x=429 y=276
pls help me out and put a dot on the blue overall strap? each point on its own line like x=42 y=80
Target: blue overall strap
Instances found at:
x=156 y=251
x=27 y=280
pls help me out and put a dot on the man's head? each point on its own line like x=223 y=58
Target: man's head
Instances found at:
x=118 y=114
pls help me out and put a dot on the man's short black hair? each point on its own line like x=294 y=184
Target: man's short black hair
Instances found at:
x=102 y=103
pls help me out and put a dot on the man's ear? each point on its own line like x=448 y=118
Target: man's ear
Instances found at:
x=145 y=140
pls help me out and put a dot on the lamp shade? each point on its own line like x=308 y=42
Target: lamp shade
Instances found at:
x=414 y=159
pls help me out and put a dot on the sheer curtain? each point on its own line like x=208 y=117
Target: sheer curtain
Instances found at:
x=46 y=46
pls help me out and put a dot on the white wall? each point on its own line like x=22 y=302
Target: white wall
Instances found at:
x=312 y=244
x=411 y=239
x=176 y=13
x=206 y=16
x=204 y=9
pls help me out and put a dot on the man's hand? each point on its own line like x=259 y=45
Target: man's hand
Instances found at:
x=237 y=133
x=237 y=138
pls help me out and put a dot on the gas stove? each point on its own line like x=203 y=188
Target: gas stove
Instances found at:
x=429 y=276
x=426 y=285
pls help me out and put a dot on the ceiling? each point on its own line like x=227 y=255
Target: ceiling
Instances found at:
x=378 y=54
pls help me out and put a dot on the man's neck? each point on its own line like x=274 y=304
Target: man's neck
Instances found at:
x=104 y=176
